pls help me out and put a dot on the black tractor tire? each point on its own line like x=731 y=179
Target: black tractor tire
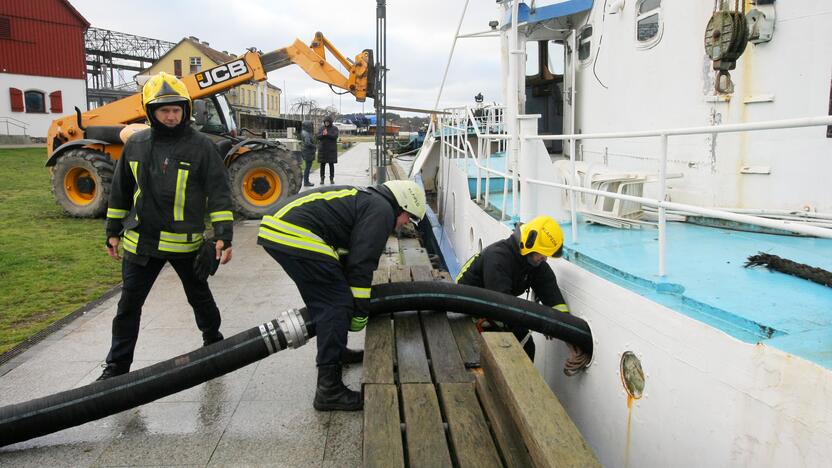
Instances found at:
x=260 y=180
x=81 y=182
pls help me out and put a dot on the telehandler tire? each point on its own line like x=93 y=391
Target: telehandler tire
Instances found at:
x=81 y=181
x=260 y=180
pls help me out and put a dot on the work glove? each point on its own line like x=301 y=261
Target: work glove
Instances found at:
x=206 y=262
x=360 y=312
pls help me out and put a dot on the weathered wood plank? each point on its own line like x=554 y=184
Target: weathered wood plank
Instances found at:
x=415 y=256
x=467 y=338
x=421 y=272
x=507 y=434
x=426 y=443
x=381 y=275
x=378 y=351
x=444 y=354
x=408 y=243
x=469 y=432
x=547 y=431
x=399 y=273
x=410 y=349
x=382 y=427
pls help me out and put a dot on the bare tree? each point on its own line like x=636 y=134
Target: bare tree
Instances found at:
x=303 y=106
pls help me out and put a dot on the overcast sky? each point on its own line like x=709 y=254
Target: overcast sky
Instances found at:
x=419 y=37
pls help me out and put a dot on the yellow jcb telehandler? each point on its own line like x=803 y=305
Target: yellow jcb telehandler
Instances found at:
x=84 y=147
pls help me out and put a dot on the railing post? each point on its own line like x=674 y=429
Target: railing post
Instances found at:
x=662 y=209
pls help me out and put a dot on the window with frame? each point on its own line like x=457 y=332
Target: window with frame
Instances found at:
x=5 y=28
x=196 y=64
x=35 y=102
x=585 y=44
x=648 y=21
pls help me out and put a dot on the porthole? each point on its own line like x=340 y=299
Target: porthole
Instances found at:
x=632 y=375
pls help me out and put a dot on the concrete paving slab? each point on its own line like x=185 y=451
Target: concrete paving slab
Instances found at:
x=260 y=415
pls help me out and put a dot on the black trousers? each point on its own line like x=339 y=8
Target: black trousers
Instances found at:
x=137 y=281
x=306 y=170
x=331 y=171
x=328 y=298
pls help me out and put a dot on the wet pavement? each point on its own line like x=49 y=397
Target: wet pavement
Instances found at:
x=260 y=415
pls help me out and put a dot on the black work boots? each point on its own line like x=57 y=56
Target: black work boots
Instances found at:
x=308 y=183
x=352 y=356
x=113 y=370
x=332 y=394
x=211 y=338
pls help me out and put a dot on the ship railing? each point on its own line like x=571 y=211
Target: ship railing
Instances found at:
x=457 y=145
x=660 y=203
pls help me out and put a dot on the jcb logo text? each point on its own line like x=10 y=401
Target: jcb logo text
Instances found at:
x=221 y=73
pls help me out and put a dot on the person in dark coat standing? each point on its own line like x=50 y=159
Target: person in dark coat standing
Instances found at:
x=328 y=149
x=307 y=137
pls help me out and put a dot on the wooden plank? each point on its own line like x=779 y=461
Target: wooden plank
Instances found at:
x=421 y=272
x=399 y=273
x=506 y=433
x=409 y=242
x=379 y=355
x=424 y=433
x=469 y=432
x=444 y=354
x=547 y=431
x=415 y=256
x=382 y=427
x=467 y=338
x=381 y=275
x=410 y=349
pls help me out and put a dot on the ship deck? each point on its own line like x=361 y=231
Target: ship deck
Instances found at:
x=705 y=276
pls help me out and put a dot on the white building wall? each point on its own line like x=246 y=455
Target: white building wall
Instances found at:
x=73 y=93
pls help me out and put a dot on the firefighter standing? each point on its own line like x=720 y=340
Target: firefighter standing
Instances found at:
x=167 y=179
x=308 y=235
x=517 y=264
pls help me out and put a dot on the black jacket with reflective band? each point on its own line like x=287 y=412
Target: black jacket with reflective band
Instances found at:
x=163 y=188
x=501 y=268
x=323 y=223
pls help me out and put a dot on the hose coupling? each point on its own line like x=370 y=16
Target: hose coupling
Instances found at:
x=293 y=326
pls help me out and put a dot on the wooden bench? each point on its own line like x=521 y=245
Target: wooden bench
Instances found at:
x=437 y=393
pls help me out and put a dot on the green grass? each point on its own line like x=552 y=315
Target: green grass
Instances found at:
x=50 y=264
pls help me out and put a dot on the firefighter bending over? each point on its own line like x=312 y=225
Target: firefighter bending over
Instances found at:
x=329 y=240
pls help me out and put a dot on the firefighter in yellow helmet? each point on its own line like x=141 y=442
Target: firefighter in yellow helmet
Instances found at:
x=309 y=236
x=518 y=263
x=168 y=179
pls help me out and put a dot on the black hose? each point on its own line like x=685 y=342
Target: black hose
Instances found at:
x=52 y=413
x=478 y=302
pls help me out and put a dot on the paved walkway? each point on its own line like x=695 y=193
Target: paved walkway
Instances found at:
x=260 y=415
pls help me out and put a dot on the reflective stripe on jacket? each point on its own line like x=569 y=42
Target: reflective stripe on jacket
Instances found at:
x=324 y=222
x=500 y=267
x=163 y=188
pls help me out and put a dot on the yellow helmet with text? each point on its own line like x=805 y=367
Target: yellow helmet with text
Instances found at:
x=542 y=235
x=162 y=89
x=409 y=195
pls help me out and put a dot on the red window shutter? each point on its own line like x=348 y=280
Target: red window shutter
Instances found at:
x=16 y=96
x=56 y=104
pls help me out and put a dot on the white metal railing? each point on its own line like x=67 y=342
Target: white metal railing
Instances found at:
x=462 y=121
x=17 y=123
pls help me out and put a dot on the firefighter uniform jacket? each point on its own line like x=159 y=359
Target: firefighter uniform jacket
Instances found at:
x=501 y=268
x=324 y=223
x=162 y=189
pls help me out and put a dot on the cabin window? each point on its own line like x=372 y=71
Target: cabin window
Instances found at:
x=532 y=62
x=585 y=43
x=35 y=102
x=648 y=22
